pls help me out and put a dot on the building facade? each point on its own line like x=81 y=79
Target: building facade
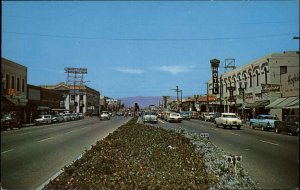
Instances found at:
x=13 y=87
x=257 y=84
x=79 y=99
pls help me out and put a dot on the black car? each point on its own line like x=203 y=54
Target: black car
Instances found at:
x=10 y=121
x=290 y=124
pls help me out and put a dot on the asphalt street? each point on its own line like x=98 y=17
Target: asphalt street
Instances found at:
x=271 y=159
x=30 y=156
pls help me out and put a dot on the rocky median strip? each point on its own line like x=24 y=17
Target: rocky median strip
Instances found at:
x=138 y=156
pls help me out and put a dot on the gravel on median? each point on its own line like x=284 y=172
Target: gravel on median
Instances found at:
x=139 y=156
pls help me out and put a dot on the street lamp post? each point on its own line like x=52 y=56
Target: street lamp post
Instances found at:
x=242 y=88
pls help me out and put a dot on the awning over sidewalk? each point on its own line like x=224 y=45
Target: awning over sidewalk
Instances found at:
x=291 y=101
x=258 y=104
x=271 y=105
x=43 y=108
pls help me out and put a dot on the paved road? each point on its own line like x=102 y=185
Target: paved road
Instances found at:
x=271 y=159
x=30 y=156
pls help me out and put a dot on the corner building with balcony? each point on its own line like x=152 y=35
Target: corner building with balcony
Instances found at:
x=258 y=84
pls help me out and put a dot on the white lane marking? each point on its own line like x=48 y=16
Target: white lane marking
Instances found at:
x=44 y=139
x=24 y=133
x=7 y=151
x=161 y=121
x=235 y=134
x=69 y=131
x=269 y=143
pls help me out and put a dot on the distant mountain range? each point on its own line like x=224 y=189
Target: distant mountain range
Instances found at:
x=143 y=101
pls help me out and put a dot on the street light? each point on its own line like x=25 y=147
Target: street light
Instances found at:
x=242 y=87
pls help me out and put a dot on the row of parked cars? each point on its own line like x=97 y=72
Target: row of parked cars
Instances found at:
x=57 y=118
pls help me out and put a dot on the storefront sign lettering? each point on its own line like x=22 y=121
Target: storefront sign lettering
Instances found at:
x=270 y=87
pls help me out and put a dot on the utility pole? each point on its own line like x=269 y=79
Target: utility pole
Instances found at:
x=177 y=91
x=207 y=98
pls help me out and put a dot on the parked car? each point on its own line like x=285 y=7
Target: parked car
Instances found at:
x=67 y=117
x=149 y=117
x=195 y=115
x=264 y=122
x=173 y=117
x=216 y=115
x=10 y=120
x=57 y=118
x=207 y=116
x=104 y=115
x=290 y=124
x=186 y=115
x=81 y=116
x=43 y=119
x=228 y=119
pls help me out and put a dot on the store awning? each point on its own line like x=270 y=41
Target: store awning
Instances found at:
x=43 y=108
x=6 y=101
x=291 y=101
x=292 y=107
x=277 y=101
x=257 y=104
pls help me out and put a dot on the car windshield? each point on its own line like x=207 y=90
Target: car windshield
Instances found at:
x=270 y=117
x=229 y=116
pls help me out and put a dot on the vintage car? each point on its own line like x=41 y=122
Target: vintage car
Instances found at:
x=228 y=119
x=195 y=115
x=173 y=117
x=105 y=115
x=149 y=117
x=289 y=124
x=264 y=122
x=43 y=119
x=207 y=116
x=186 y=115
x=10 y=121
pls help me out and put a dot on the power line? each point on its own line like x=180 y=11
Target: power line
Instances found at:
x=151 y=39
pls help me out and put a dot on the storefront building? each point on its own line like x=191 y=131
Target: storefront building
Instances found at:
x=13 y=87
x=78 y=98
x=257 y=84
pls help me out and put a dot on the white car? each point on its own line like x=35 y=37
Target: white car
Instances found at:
x=105 y=115
x=207 y=116
x=228 y=119
x=149 y=117
x=43 y=119
x=173 y=117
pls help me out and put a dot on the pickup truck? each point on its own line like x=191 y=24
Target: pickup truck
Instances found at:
x=228 y=119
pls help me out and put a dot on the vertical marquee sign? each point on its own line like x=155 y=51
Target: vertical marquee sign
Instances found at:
x=215 y=83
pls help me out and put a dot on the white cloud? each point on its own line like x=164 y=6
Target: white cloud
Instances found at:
x=129 y=70
x=175 y=69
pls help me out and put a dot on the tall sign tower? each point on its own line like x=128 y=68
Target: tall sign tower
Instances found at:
x=75 y=77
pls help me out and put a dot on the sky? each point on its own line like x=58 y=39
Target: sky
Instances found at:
x=143 y=48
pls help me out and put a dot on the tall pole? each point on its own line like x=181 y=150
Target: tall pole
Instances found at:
x=207 y=98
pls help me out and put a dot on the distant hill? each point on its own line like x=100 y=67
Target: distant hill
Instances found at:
x=143 y=101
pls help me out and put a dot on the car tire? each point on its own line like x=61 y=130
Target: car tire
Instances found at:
x=251 y=126
x=238 y=127
x=224 y=126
